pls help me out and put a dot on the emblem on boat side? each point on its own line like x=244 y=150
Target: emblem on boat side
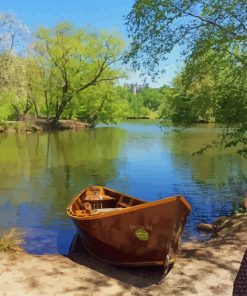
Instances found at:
x=142 y=234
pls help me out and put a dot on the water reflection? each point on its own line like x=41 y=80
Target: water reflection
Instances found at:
x=42 y=172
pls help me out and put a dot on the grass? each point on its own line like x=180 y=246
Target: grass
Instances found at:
x=11 y=240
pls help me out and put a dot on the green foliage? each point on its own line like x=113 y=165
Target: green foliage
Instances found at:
x=102 y=103
x=156 y=27
x=151 y=98
x=63 y=63
x=72 y=60
x=5 y=109
x=68 y=73
x=145 y=103
x=212 y=85
x=13 y=85
x=209 y=90
x=137 y=108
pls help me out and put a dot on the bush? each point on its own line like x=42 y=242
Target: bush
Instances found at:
x=11 y=240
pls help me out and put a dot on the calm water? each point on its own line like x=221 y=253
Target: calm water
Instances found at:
x=40 y=173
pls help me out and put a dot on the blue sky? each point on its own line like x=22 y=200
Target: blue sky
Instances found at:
x=101 y=14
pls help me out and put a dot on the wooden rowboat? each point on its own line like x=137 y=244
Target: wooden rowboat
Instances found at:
x=124 y=230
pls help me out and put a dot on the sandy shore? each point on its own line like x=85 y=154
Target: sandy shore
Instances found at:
x=201 y=269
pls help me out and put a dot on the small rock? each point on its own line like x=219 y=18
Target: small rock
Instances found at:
x=206 y=227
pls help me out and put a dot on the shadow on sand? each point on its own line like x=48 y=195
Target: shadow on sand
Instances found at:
x=139 y=277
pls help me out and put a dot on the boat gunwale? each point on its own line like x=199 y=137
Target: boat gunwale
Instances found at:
x=124 y=210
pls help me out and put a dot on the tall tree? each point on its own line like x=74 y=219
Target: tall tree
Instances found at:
x=76 y=59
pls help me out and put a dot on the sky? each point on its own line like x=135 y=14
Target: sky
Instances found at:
x=100 y=14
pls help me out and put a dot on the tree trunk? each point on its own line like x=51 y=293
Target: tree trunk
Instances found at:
x=47 y=107
x=60 y=108
x=17 y=112
x=28 y=107
x=35 y=107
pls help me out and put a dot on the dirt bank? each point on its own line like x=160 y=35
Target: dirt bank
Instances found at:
x=201 y=269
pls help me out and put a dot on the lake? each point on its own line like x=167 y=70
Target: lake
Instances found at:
x=40 y=173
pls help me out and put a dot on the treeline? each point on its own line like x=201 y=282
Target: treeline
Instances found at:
x=63 y=73
x=69 y=73
x=73 y=73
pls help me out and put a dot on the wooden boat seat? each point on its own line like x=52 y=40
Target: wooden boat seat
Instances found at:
x=98 y=197
x=105 y=210
x=123 y=204
x=82 y=213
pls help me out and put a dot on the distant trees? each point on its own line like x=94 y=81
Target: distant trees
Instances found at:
x=51 y=78
x=66 y=72
x=145 y=103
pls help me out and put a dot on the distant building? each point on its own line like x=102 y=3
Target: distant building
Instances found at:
x=136 y=88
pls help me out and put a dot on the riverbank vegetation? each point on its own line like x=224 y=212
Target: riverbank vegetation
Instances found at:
x=11 y=240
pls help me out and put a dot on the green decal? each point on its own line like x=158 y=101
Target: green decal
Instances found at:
x=142 y=234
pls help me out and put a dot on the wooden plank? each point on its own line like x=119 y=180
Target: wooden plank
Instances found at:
x=123 y=204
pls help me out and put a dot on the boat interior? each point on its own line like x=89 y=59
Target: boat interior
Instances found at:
x=98 y=200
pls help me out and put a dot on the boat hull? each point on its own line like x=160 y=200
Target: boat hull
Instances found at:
x=142 y=235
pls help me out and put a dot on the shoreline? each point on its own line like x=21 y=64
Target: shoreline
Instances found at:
x=40 y=125
x=207 y=268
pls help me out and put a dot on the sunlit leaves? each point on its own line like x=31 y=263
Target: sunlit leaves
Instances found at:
x=212 y=36
x=156 y=27
x=74 y=60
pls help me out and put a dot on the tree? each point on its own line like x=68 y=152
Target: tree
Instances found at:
x=156 y=27
x=74 y=60
x=103 y=102
x=213 y=89
x=13 y=74
x=212 y=36
x=13 y=34
x=151 y=98
x=136 y=106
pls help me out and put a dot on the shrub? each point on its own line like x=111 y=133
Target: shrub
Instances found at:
x=11 y=240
